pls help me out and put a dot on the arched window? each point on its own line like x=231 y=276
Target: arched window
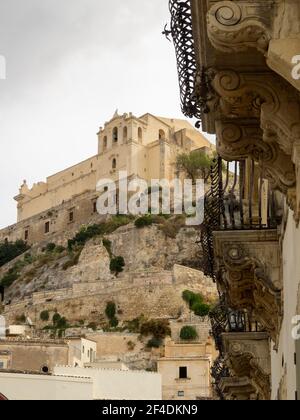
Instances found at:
x=105 y=143
x=114 y=163
x=115 y=135
x=125 y=135
x=140 y=135
x=162 y=135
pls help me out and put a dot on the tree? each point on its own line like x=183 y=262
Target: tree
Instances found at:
x=195 y=164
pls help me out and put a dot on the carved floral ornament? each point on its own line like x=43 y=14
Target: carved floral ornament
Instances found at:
x=237 y=26
x=245 y=363
x=258 y=115
x=247 y=285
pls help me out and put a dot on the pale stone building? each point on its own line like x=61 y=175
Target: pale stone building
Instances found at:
x=42 y=355
x=239 y=73
x=145 y=147
x=185 y=367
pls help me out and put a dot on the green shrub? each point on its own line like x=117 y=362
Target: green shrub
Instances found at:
x=29 y=259
x=131 y=345
x=196 y=303
x=188 y=333
x=11 y=250
x=9 y=278
x=159 y=328
x=144 y=221
x=154 y=343
x=88 y=232
x=110 y=310
x=187 y=296
x=44 y=316
x=134 y=326
x=62 y=323
x=50 y=247
x=117 y=265
x=60 y=249
x=56 y=319
x=201 y=309
x=114 y=322
x=192 y=298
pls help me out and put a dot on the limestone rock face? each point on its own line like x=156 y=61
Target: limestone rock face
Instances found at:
x=93 y=264
x=152 y=282
x=151 y=248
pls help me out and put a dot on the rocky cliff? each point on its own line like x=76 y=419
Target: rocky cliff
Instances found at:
x=155 y=274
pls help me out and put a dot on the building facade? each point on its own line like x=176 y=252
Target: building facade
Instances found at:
x=186 y=365
x=144 y=147
x=238 y=74
x=42 y=355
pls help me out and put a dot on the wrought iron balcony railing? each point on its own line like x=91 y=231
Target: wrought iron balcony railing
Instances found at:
x=193 y=82
x=239 y=198
x=225 y=320
x=219 y=371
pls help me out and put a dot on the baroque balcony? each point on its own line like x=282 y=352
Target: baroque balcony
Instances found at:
x=225 y=51
x=240 y=242
x=242 y=370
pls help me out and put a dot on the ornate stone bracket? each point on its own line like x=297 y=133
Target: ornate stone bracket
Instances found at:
x=248 y=355
x=238 y=389
x=245 y=139
x=236 y=26
x=249 y=267
x=270 y=103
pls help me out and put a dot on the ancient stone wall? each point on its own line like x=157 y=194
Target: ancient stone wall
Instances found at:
x=33 y=357
x=60 y=226
x=156 y=295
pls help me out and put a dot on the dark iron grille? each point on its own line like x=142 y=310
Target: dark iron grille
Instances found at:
x=182 y=35
x=226 y=208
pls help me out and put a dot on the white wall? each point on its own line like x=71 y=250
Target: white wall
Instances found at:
x=119 y=385
x=38 y=387
x=291 y=280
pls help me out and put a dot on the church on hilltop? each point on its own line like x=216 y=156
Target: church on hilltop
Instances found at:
x=145 y=147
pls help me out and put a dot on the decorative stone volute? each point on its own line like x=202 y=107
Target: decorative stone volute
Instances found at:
x=237 y=26
x=248 y=355
x=258 y=115
x=249 y=274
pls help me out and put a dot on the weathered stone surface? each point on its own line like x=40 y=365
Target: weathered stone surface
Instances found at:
x=151 y=284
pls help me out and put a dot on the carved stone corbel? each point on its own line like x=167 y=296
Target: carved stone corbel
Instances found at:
x=243 y=139
x=275 y=106
x=238 y=389
x=249 y=267
x=236 y=26
x=264 y=96
x=248 y=355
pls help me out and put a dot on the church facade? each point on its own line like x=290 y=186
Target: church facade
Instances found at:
x=144 y=147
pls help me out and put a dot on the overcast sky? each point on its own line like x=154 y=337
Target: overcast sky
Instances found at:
x=70 y=64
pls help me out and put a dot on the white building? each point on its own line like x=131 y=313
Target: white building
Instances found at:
x=109 y=384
